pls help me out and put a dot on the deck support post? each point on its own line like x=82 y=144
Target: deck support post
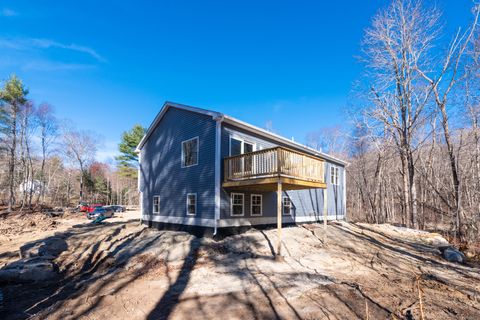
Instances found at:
x=278 y=255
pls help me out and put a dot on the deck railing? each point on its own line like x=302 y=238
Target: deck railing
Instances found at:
x=274 y=162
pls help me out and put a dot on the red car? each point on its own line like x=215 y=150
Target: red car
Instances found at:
x=92 y=207
x=83 y=207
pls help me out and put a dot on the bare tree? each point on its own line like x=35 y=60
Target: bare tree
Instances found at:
x=399 y=39
x=27 y=129
x=331 y=140
x=48 y=132
x=80 y=147
x=442 y=83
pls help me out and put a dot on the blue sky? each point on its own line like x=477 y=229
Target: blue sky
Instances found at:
x=107 y=65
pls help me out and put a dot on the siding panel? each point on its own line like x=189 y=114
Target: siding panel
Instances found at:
x=307 y=204
x=161 y=172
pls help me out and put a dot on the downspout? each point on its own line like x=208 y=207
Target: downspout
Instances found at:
x=218 y=164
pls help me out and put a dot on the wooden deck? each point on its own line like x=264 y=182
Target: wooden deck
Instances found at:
x=263 y=170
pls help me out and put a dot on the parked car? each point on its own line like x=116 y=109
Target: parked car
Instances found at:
x=92 y=207
x=117 y=208
x=100 y=212
x=82 y=207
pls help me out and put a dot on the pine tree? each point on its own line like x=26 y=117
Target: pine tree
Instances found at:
x=128 y=160
x=12 y=97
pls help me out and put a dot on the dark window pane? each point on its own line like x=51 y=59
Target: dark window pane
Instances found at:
x=237 y=210
x=190 y=152
x=248 y=147
x=235 y=147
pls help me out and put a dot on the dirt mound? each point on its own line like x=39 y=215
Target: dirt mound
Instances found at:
x=123 y=270
x=17 y=222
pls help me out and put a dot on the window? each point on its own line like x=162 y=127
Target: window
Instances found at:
x=156 y=204
x=256 y=205
x=191 y=204
x=237 y=202
x=190 y=152
x=334 y=175
x=235 y=147
x=239 y=146
x=287 y=206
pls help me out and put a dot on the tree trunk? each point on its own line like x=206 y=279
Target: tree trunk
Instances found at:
x=454 y=171
x=406 y=193
x=11 y=165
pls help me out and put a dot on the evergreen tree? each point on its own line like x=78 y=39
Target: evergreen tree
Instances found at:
x=12 y=97
x=128 y=159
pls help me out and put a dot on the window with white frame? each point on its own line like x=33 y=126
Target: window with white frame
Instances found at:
x=237 y=204
x=287 y=206
x=256 y=204
x=190 y=152
x=334 y=173
x=156 y=204
x=191 y=204
x=239 y=146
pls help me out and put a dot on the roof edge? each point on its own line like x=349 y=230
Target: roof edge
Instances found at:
x=284 y=140
x=166 y=106
x=215 y=115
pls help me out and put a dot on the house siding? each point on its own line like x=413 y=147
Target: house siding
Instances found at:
x=307 y=205
x=161 y=172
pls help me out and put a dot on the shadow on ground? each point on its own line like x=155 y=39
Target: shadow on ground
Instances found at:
x=123 y=270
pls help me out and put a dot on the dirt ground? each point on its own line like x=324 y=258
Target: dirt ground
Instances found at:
x=123 y=270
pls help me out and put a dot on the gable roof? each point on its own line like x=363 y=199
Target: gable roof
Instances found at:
x=238 y=123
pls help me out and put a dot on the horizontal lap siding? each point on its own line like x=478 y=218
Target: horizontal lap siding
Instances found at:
x=161 y=171
x=310 y=202
x=268 y=197
x=307 y=204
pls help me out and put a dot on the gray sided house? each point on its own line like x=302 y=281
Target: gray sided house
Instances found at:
x=200 y=168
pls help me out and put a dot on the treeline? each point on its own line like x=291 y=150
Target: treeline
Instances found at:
x=46 y=161
x=414 y=150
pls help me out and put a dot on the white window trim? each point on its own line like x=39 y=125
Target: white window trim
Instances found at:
x=231 y=204
x=283 y=206
x=191 y=214
x=336 y=175
x=182 y=159
x=261 y=205
x=153 y=203
x=242 y=148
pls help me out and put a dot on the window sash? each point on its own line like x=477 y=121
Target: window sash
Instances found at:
x=191 y=204
x=190 y=152
x=287 y=206
x=156 y=204
x=256 y=204
x=334 y=175
x=237 y=204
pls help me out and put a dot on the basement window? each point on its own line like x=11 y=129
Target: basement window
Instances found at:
x=237 y=204
x=256 y=205
x=191 y=204
x=190 y=152
x=156 y=204
x=287 y=206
